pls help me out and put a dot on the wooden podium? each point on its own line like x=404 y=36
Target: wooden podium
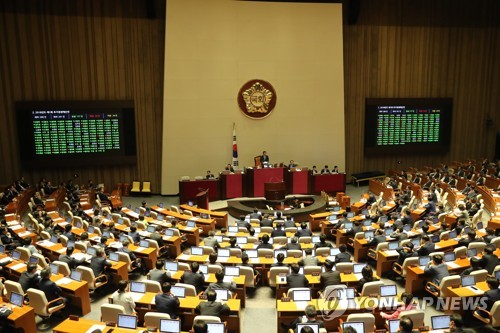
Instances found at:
x=275 y=191
x=202 y=199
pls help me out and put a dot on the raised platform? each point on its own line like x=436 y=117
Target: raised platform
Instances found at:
x=313 y=204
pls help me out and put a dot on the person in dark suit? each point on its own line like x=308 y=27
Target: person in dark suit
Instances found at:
x=134 y=234
x=265 y=243
x=405 y=252
x=295 y=279
x=490 y=234
x=157 y=236
x=193 y=277
x=289 y=223
x=99 y=263
x=457 y=324
x=264 y=158
x=489 y=260
x=220 y=284
x=303 y=231
x=103 y=197
x=158 y=274
x=471 y=237
x=325 y=170
x=279 y=261
x=379 y=238
x=436 y=269
x=68 y=233
x=329 y=277
x=211 y=307
x=29 y=278
x=426 y=246
x=406 y=325
x=167 y=302
x=255 y=214
x=343 y=256
x=406 y=217
x=266 y=221
x=67 y=258
x=475 y=265
x=322 y=242
x=492 y=295
x=367 y=276
x=356 y=227
x=278 y=232
x=309 y=317
x=293 y=245
x=49 y=288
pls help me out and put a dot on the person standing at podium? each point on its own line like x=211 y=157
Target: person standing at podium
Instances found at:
x=264 y=159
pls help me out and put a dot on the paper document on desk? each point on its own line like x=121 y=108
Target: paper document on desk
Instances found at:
x=196 y=218
x=223 y=259
x=391 y=253
x=17 y=267
x=24 y=233
x=475 y=290
x=228 y=279
x=254 y=260
x=301 y=305
x=63 y=250
x=11 y=223
x=64 y=280
x=139 y=249
x=93 y=328
x=6 y=259
x=452 y=265
x=358 y=276
x=15 y=227
x=45 y=242
x=136 y=296
x=184 y=257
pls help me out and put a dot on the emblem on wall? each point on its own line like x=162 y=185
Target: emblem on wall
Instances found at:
x=257 y=98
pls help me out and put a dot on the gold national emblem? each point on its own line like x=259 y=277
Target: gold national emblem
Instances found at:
x=257 y=99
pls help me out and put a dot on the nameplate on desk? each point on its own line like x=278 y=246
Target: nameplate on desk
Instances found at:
x=93 y=328
x=139 y=249
x=184 y=257
x=475 y=290
x=452 y=265
x=64 y=280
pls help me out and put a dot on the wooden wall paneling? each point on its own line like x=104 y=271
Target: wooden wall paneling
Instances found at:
x=83 y=50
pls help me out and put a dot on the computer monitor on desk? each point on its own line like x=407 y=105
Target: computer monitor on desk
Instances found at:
x=440 y=322
x=301 y=295
x=358 y=326
x=170 y=326
x=127 y=321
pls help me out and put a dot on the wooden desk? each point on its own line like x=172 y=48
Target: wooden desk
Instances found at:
x=19 y=204
x=466 y=293
x=21 y=232
x=329 y=183
x=187 y=306
x=22 y=318
x=315 y=220
x=84 y=325
x=220 y=217
x=288 y=311
x=257 y=177
x=189 y=189
x=385 y=262
x=205 y=224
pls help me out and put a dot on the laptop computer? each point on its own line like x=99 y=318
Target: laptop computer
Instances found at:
x=440 y=322
x=350 y=215
x=394 y=326
x=161 y=205
x=16 y=299
x=222 y=295
x=388 y=231
x=278 y=251
x=223 y=253
x=159 y=217
x=144 y=243
x=70 y=244
x=90 y=230
x=232 y=229
x=407 y=227
x=301 y=295
x=231 y=271
x=497 y=275
x=54 y=269
x=315 y=239
x=336 y=208
x=123 y=238
x=137 y=210
x=369 y=234
x=393 y=245
x=169 y=232
x=348 y=225
x=423 y=261
x=151 y=229
x=314 y=327
x=334 y=251
x=216 y=328
x=113 y=256
x=33 y=260
x=453 y=234
x=196 y=251
x=178 y=291
x=388 y=291
x=468 y=280
x=171 y=266
x=16 y=255
x=137 y=287
x=357 y=268
x=127 y=321
x=170 y=326
x=120 y=220
x=357 y=326
x=191 y=224
x=367 y=223
x=92 y=251
x=241 y=240
x=435 y=239
x=203 y=269
x=450 y=256
x=76 y=275
x=252 y=253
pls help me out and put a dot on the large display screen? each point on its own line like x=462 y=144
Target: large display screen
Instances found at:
x=76 y=133
x=407 y=125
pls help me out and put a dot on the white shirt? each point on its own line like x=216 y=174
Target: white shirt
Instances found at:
x=124 y=299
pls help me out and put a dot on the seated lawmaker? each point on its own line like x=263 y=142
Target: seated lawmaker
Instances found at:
x=211 y=307
x=295 y=279
x=220 y=284
x=166 y=302
x=193 y=277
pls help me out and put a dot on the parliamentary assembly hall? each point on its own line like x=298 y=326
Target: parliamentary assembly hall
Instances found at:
x=242 y=166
